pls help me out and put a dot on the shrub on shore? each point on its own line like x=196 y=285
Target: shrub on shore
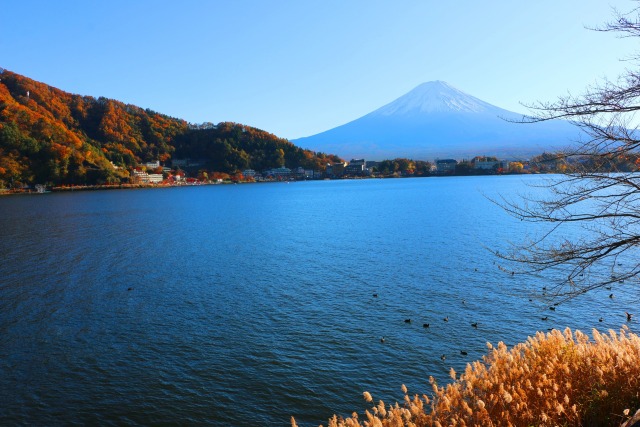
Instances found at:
x=558 y=378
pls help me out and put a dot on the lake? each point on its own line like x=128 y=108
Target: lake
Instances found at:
x=244 y=305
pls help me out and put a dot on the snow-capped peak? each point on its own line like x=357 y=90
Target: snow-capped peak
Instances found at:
x=431 y=97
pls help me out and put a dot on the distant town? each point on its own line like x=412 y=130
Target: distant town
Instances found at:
x=182 y=172
x=155 y=173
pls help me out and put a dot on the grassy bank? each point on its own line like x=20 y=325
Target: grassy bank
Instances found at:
x=558 y=378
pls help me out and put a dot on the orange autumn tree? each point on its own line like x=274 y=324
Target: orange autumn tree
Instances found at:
x=48 y=135
x=51 y=136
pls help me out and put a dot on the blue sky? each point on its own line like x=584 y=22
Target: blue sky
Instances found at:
x=296 y=67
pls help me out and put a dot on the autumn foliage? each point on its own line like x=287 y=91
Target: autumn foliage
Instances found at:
x=231 y=147
x=558 y=378
x=51 y=136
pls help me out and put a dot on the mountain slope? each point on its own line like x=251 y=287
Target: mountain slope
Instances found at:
x=51 y=136
x=437 y=120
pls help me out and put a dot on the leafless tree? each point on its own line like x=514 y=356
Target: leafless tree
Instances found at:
x=599 y=194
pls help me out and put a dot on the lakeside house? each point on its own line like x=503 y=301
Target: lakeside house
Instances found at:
x=356 y=167
x=489 y=163
x=446 y=166
x=278 y=173
x=147 y=178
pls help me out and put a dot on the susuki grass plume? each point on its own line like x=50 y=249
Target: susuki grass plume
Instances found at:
x=558 y=378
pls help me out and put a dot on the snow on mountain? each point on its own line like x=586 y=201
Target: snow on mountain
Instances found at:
x=437 y=120
x=433 y=97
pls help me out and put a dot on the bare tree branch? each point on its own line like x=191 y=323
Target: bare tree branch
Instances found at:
x=594 y=208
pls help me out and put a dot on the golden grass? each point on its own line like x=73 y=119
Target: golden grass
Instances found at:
x=558 y=378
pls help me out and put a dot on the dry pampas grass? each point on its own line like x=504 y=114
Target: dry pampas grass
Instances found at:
x=558 y=378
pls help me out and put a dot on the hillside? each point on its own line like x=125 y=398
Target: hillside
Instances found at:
x=51 y=136
x=437 y=120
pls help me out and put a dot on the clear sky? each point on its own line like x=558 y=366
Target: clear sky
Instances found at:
x=298 y=67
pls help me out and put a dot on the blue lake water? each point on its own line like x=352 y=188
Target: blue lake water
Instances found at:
x=242 y=305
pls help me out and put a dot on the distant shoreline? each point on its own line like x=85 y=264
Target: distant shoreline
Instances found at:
x=68 y=189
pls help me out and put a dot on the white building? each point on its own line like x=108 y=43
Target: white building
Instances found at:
x=486 y=165
x=140 y=176
x=155 y=178
x=281 y=172
x=491 y=165
x=147 y=178
x=153 y=165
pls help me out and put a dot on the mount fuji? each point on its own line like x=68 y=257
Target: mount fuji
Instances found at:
x=437 y=120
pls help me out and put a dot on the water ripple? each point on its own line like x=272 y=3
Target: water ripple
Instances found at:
x=244 y=305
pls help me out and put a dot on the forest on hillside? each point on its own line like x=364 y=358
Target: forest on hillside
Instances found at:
x=52 y=137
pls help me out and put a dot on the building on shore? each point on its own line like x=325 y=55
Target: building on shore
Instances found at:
x=278 y=173
x=446 y=166
x=336 y=170
x=249 y=173
x=356 y=167
x=147 y=178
